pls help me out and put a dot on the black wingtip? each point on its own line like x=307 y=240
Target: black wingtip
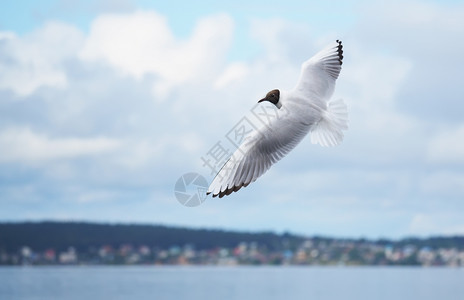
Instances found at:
x=230 y=190
x=340 y=51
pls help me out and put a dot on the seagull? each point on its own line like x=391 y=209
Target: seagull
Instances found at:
x=307 y=108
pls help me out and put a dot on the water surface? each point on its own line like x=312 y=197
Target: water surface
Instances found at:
x=175 y=282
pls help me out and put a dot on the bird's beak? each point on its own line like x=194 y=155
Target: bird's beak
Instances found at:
x=264 y=99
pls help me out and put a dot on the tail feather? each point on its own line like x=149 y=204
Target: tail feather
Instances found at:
x=329 y=130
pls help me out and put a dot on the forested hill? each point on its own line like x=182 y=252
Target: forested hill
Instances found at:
x=82 y=236
x=61 y=235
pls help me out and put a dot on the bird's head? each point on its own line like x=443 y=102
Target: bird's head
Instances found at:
x=273 y=97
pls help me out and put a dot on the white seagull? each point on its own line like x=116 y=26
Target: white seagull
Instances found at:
x=306 y=108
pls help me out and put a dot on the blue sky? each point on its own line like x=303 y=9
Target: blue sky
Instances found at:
x=105 y=104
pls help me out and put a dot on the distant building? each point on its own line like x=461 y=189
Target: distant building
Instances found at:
x=68 y=257
x=49 y=255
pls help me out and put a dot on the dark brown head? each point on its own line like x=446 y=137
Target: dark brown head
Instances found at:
x=273 y=97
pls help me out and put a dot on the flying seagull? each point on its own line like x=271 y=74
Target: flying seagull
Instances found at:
x=306 y=108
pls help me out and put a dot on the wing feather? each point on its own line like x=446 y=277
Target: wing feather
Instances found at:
x=253 y=158
x=318 y=74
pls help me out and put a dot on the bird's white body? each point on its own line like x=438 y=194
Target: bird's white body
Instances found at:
x=306 y=108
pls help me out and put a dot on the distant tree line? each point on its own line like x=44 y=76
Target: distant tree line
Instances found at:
x=61 y=235
x=80 y=235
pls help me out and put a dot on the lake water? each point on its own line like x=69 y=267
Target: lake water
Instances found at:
x=152 y=282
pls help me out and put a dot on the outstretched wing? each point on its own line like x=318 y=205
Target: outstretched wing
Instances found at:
x=318 y=74
x=257 y=154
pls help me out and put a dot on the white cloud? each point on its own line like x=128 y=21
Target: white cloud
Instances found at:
x=415 y=14
x=444 y=184
x=233 y=73
x=447 y=146
x=97 y=196
x=25 y=146
x=377 y=76
x=137 y=154
x=370 y=82
x=426 y=224
x=142 y=43
x=35 y=60
x=425 y=33
x=283 y=40
x=7 y=35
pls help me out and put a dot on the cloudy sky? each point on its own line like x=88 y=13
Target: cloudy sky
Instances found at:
x=105 y=104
